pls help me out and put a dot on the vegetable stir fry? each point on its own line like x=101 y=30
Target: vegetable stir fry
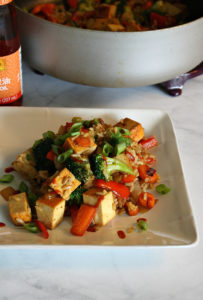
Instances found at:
x=112 y=15
x=88 y=170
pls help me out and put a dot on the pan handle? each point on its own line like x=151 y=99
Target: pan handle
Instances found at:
x=174 y=86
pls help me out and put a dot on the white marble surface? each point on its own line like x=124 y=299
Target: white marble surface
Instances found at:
x=115 y=273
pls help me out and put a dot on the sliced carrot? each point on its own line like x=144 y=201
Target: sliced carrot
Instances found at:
x=82 y=141
x=146 y=199
x=128 y=178
x=131 y=208
x=145 y=173
x=83 y=219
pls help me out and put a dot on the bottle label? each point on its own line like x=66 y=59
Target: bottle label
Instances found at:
x=4 y=2
x=10 y=77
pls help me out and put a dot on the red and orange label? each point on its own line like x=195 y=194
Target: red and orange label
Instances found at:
x=10 y=77
x=4 y=2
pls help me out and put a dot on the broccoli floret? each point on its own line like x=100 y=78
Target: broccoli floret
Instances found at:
x=104 y=168
x=78 y=169
x=76 y=196
x=40 y=150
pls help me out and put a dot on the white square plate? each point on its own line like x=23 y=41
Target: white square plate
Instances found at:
x=170 y=222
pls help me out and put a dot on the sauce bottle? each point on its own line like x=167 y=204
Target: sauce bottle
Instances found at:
x=10 y=56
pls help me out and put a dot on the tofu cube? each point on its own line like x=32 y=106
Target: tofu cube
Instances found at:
x=19 y=208
x=106 y=208
x=116 y=27
x=25 y=166
x=7 y=192
x=50 y=210
x=64 y=183
x=106 y=11
x=135 y=128
x=83 y=144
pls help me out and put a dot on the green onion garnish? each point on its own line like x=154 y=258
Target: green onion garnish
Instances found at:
x=142 y=224
x=6 y=178
x=55 y=149
x=119 y=148
x=107 y=149
x=73 y=131
x=64 y=156
x=162 y=189
x=123 y=131
x=32 y=227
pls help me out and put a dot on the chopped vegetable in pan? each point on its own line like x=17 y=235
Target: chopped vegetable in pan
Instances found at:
x=112 y=15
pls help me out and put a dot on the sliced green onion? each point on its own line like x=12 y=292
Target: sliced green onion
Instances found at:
x=49 y=134
x=107 y=149
x=23 y=188
x=119 y=148
x=55 y=149
x=73 y=131
x=6 y=178
x=162 y=189
x=32 y=227
x=142 y=224
x=123 y=131
x=64 y=156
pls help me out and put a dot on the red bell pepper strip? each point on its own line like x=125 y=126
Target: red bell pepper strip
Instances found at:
x=159 y=19
x=50 y=155
x=147 y=5
x=72 y=3
x=149 y=142
x=48 y=9
x=42 y=228
x=83 y=219
x=117 y=188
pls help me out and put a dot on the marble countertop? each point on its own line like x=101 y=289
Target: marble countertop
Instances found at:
x=115 y=273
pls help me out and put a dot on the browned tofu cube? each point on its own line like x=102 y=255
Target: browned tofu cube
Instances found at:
x=116 y=27
x=50 y=210
x=25 y=166
x=135 y=128
x=64 y=183
x=82 y=144
x=7 y=192
x=19 y=209
x=106 y=11
x=106 y=209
